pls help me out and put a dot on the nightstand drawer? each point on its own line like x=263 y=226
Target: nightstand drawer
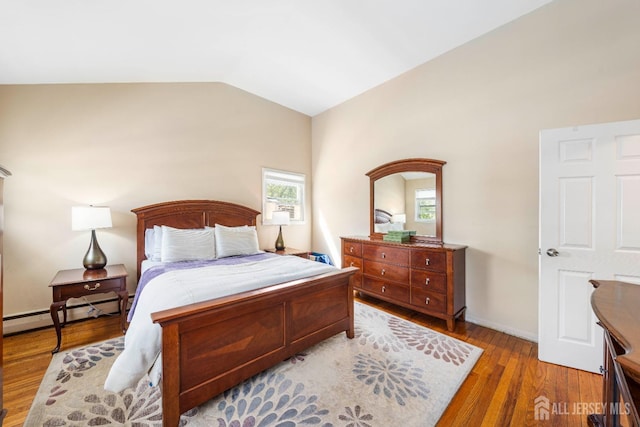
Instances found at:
x=87 y=288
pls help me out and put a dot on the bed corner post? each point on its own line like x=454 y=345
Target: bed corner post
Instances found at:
x=170 y=376
x=351 y=331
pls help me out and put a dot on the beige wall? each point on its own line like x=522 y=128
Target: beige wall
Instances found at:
x=480 y=108
x=125 y=146
x=390 y=194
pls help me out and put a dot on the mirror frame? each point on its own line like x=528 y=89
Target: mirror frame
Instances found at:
x=408 y=165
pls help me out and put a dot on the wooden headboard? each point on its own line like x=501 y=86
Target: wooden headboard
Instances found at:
x=382 y=216
x=189 y=214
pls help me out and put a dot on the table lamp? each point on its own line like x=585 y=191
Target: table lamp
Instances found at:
x=280 y=218
x=399 y=218
x=91 y=218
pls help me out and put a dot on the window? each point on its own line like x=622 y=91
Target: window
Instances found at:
x=282 y=191
x=425 y=205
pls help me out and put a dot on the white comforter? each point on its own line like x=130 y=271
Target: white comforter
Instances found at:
x=143 y=340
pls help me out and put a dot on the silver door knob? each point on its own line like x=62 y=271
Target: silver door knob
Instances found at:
x=552 y=252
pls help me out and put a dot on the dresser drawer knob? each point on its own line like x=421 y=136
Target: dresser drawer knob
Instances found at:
x=427 y=301
x=427 y=261
x=351 y=249
x=382 y=272
x=351 y=265
x=384 y=288
x=426 y=282
x=383 y=255
x=89 y=288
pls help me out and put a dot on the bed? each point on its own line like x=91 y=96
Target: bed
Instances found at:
x=210 y=346
x=383 y=222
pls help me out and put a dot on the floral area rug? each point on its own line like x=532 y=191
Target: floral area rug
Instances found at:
x=393 y=373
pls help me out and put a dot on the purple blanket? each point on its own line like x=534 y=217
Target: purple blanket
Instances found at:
x=157 y=270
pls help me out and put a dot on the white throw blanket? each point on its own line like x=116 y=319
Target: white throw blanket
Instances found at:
x=143 y=341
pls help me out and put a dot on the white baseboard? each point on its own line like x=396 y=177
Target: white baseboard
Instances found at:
x=501 y=328
x=36 y=320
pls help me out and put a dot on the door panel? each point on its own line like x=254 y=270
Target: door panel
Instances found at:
x=576 y=212
x=575 y=321
x=589 y=229
x=628 y=213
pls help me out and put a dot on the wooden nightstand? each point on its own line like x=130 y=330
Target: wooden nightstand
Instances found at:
x=290 y=251
x=79 y=282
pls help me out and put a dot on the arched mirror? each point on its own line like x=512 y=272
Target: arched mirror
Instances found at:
x=407 y=195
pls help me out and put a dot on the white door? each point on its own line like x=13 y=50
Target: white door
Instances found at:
x=589 y=229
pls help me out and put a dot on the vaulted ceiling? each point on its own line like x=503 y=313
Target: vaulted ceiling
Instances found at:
x=308 y=55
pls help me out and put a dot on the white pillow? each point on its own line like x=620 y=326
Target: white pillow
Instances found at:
x=188 y=244
x=157 y=243
x=149 y=243
x=231 y=241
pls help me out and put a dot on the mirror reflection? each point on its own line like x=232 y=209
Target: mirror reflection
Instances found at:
x=407 y=195
x=406 y=201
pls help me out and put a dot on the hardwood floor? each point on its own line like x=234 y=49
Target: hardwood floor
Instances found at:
x=27 y=357
x=500 y=391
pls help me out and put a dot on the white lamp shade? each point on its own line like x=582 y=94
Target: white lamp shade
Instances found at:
x=90 y=217
x=399 y=218
x=280 y=218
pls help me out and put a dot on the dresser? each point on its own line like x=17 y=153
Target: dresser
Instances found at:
x=616 y=304
x=428 y=278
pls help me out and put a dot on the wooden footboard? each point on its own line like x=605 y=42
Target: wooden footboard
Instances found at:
x=212 y=346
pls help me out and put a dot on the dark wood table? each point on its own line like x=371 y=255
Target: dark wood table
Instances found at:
x=289 y=251
x=79 y=283
x=617 y=305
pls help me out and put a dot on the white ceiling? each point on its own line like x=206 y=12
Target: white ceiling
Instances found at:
x=308 y=55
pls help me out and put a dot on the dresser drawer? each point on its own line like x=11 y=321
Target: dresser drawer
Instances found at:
x=351 y=261
x=428 y=260
x=428 y=280
x=394 y=291
x=432 y=301
x=384 y=271
x=83 y=289
x=357 y=280
x=388 y=254
x=352 y=248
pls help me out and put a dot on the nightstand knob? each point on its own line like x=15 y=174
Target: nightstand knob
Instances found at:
x=427 y=301
x=383 y=255
x=351 y=249
x=89 y=288
x=384 y=288
x=426 y=282
x=351 y=264
x=427 y=261
x=382 y=272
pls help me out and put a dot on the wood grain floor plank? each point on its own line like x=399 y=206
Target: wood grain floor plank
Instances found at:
x=499 y=391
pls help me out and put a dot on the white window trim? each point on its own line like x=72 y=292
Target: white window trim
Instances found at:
x=416 y=219
x=283 y=176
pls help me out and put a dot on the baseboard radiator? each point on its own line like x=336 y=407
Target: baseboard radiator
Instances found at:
x=42 y=318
